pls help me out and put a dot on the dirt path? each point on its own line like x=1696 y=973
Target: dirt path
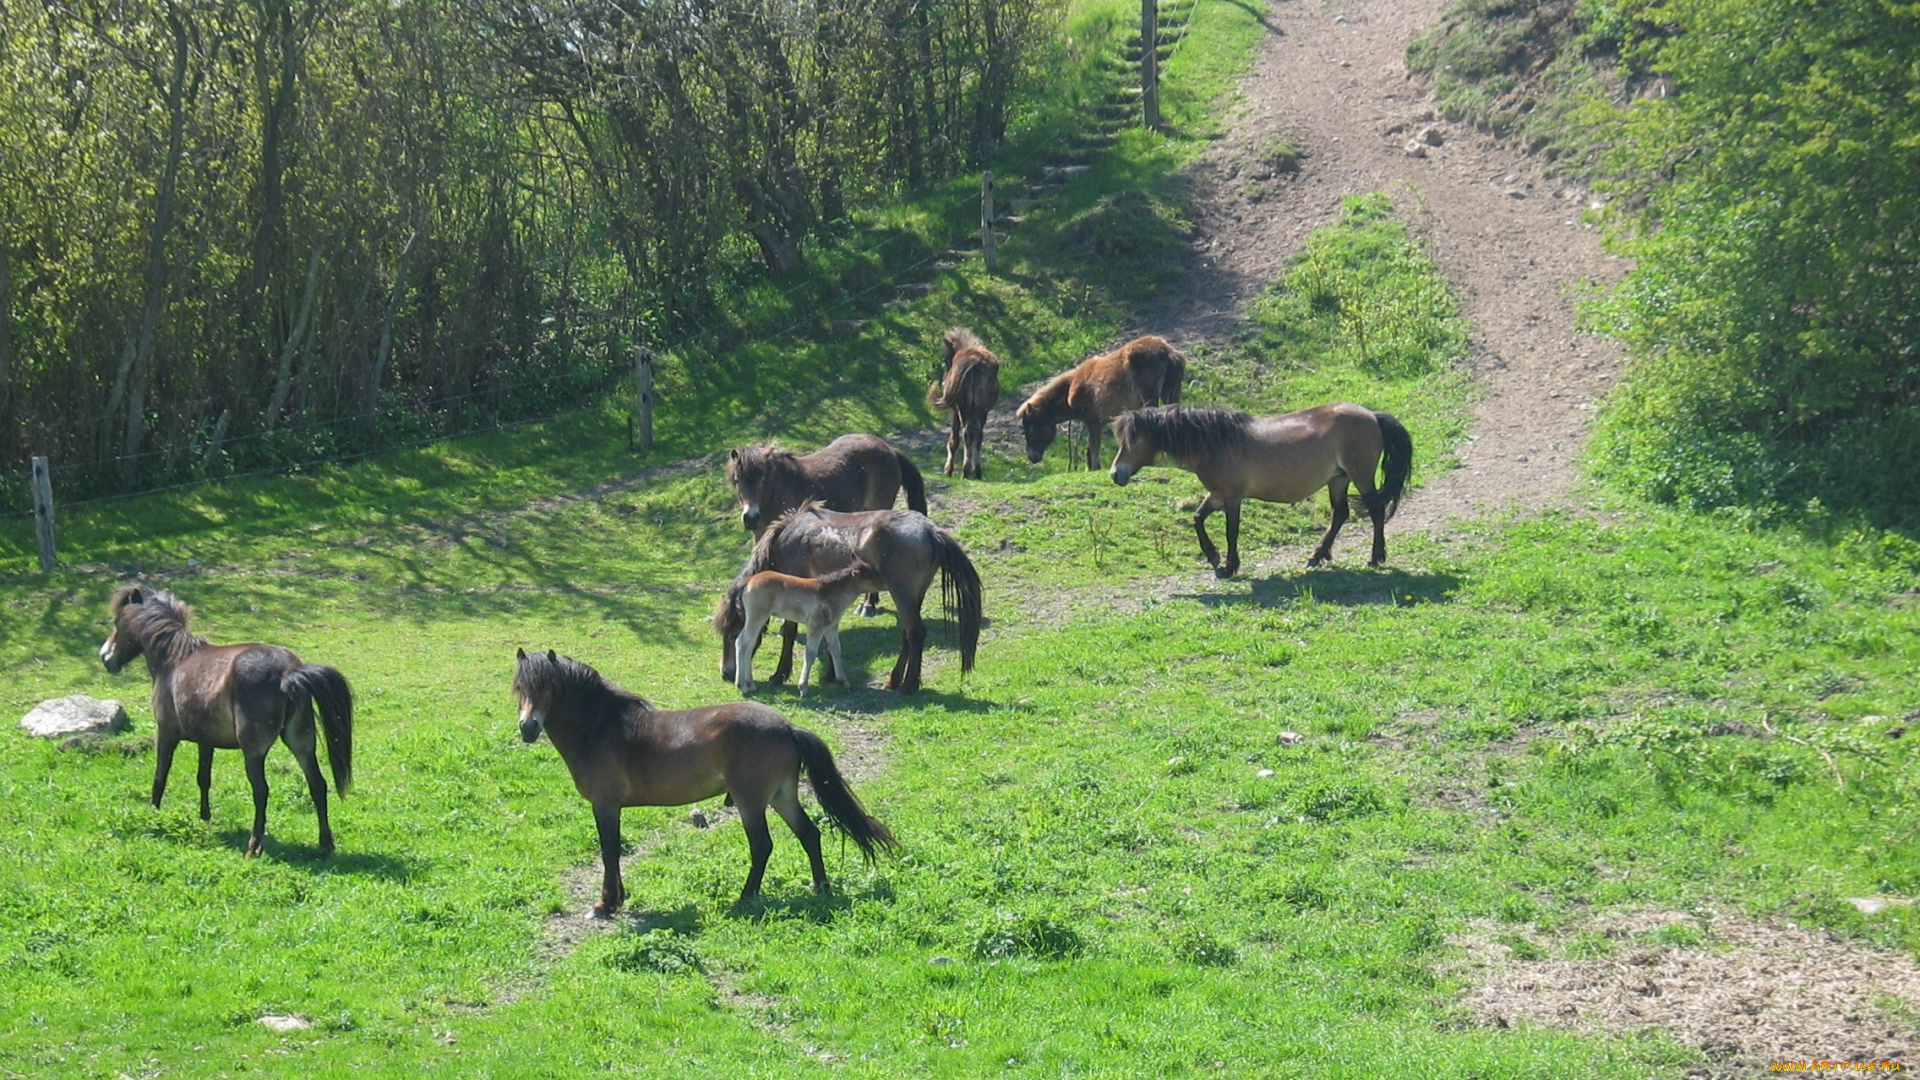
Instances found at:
x=1331 y=79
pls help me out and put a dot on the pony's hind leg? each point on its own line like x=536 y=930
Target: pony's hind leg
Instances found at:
x=1337 y=496
x=954 y=443
x=1093 y=446
x=806 y=665
x=206 y=782
x=257 y=779
x=300 y=739
x=1376 y=504
x=786 y=803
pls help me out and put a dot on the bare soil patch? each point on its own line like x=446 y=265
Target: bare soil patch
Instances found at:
x=1744 y=993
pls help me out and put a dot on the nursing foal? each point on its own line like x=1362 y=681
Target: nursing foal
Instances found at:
x=816 y=603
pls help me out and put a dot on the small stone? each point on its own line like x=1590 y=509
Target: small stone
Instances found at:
x=1896 y=731
x=941 y=961
x=1175 y=760
x=1288 y=738
x=285 y=1023
x=1415 y=149
x=1264 y=773
x=1874 y=905
x=1431 y=136
x=1521 y=458
x=57 y=718
x=698 y=819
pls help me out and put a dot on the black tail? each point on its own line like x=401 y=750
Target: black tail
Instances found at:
x=1396 y=461
x=333 y=700
x=837 y=799
x=910 y=480
x=960 y=592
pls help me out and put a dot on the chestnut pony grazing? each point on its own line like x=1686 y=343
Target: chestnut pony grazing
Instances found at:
x=969 y=388
x=1144 y=371
x=905 y=550
x=1274 y=459
x=853 y=472
x=624 y=752
x=816 y=603
x=231 y=697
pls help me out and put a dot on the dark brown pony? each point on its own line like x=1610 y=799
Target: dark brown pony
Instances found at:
x=969 y=388
x=231 y=697
x=853 y=472
x=1144 y=371
x=905 y=549
x=624 y=752
x=1274 y=459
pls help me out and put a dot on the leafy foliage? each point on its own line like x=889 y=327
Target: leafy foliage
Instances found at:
x=1774 y=310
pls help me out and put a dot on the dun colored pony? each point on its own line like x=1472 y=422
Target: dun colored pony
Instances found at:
x=624 y=752
x=231 y=697
x=1274 y=459
x=853 y=472
x=969 y=389
x=816 y=603
x=1144 y=371
x=905 y=550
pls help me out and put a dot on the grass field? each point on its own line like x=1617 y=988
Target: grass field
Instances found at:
x=1112 y=866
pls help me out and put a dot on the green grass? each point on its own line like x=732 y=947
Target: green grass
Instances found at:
x=1525 y=721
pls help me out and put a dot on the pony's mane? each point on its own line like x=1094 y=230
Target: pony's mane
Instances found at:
x=959 y=340
x=573 y=688
x=158 y=621
x=1185 y=434
x=1043 y=397
x=749 y=464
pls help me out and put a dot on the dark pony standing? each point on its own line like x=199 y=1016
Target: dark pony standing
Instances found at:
x=1144 y=371
x=969 y=388
x=853 y=472
x=624 y=752
x=1274 y=459
x=905 y=550
x=231 y=697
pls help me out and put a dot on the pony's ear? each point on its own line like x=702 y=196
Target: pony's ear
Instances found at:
x=734 y=454
x=520 y=654
x=552 y=657
x=136 y=595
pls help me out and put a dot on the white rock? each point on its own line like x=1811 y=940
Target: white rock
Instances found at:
x=1264 y=773
x=1431 y=136
x=77 y=715
x=285 y=1023
x=1416 y=149
x=1288 y=738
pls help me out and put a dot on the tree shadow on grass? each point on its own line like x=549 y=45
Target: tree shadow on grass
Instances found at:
x=1347 y=588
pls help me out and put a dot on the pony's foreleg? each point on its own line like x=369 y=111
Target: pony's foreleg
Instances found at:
x=744 y=647
x=206 y=783
x=1337 y=496
x=613 y=893
x=165 y=742
x=1093 y=445
x=806 y=666
x=1200 y=516
x=788 y=631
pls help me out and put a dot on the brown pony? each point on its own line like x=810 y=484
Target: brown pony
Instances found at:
x=969 y=388
x=853 y=472
x=1274 y=459
x=1144 y=371
x=231 y=697
x=906 y=551
x=624 y=752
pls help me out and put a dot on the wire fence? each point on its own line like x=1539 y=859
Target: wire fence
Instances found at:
x=16 y=481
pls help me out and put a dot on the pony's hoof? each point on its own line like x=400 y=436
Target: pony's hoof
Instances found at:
x=1222 y=572
x=602 y=911
x=255 y=849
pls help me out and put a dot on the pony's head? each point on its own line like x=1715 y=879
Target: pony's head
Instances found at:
x=149 y=622
x=534 y=683
x=749 y=469
x=1040 y=428
x=729 y=620
x=553 y=688
x=1136 y=447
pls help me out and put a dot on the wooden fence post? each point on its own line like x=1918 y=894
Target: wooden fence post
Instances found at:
x=43 y=513
x=1150 y=61
x=643 y=395
x=986 y=218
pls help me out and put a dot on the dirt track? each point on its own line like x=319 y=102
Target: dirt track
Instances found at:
x=1331 y=79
